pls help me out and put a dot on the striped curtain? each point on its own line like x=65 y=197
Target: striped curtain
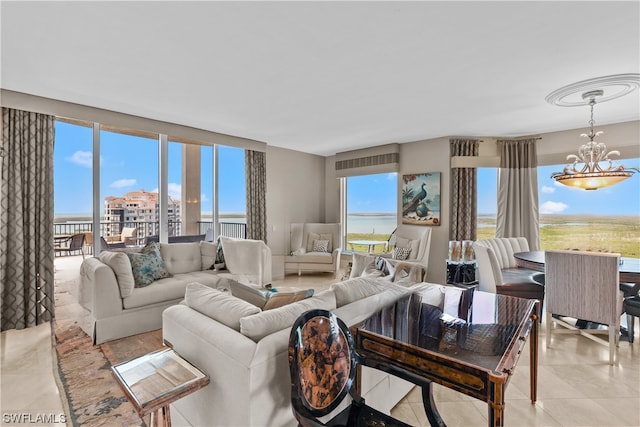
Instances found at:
x=26 y=219
x=464 y=199
x=256 y=179
x=518 y=191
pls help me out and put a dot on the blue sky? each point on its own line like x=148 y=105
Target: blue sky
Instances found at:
x=129 y=163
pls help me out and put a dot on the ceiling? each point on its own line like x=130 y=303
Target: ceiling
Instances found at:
x=325 y=77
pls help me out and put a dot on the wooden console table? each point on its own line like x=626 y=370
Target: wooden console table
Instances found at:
x=475 y=353
x=153 y=381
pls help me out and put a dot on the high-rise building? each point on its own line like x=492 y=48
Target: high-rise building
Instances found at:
x=139 y=209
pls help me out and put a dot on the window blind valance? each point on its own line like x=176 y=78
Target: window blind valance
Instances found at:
x=368 y=161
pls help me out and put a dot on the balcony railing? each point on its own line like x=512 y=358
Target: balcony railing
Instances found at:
x=146 y=228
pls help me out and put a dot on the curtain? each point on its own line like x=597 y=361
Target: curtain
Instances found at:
x=464 y=199
x=518 y=191
x=26 y=219
x=256 y=179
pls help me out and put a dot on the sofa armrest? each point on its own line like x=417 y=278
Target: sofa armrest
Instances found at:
x=99 y=291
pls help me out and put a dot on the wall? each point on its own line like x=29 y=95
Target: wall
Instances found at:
x=433 y=156
x=295 y=193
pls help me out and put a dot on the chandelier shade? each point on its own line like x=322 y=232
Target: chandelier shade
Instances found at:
x=592 y=168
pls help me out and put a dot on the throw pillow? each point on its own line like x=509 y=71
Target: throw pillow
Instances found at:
x=119 y=263
x=208 y=253
x=258 y=326
x=322 y=236
x=320 y=246
x=218 y=305
x=360 y=263
x=355 y=289
x=220 y=263
x=147 y=265
x=413 y=245
x=400 y=253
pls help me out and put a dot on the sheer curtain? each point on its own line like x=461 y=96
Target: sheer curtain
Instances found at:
x=518 y=191
x=26 y=219
x=256 y=179
x=464 y=199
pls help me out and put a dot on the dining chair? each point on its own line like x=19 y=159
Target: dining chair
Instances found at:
x=584 y=286
x=72 y=244
x=323 y=365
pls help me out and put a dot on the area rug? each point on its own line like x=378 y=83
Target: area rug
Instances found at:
x=93 y=397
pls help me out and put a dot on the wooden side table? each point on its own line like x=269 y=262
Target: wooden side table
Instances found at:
x=153 y=381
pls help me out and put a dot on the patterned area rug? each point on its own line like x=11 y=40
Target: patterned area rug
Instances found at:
x=93 y=396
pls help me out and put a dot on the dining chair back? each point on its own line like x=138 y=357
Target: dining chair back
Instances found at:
x=73 y=244
x=323 y=365
x=584 y=286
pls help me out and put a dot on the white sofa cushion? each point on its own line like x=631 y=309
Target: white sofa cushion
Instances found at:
x=181 y=257
x=121 y=266
x=258 y=326
x=358 y=288
x=218 y=305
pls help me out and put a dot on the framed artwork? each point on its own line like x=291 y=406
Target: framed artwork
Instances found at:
x=421 y=198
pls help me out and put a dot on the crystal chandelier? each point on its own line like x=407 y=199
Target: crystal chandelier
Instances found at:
x=592 y=167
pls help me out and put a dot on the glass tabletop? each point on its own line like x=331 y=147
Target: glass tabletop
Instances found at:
x=465 y=325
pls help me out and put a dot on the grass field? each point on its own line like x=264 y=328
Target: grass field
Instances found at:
x=619 y=234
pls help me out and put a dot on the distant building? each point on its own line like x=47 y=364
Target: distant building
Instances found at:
x=140 y=209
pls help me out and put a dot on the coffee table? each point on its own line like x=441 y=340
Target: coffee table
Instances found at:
x=473 y=352
x=153 y=381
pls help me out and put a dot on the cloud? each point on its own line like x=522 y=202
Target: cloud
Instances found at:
x=121 y=183
x=203 y=197
x=392 y=176
x=81 y=158
x=174 y=190
x=547 y=189
x=552 y=207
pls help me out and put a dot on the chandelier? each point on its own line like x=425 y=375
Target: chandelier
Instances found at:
x=592 y=168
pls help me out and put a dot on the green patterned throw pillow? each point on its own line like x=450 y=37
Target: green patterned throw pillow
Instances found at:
x=147 y=265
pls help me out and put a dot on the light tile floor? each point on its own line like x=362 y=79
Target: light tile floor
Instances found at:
x=576 y=386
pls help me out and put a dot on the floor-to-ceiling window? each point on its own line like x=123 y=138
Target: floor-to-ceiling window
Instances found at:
x=72 y=180
x=607 y=219
x=371 y=210
x=128 y=192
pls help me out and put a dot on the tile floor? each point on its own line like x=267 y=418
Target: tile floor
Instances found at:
x=576 y=386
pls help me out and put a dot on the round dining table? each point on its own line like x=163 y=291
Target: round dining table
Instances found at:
x=534 y=260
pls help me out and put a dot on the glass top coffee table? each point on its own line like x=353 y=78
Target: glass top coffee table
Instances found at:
x=153 y=381
x=466 y=340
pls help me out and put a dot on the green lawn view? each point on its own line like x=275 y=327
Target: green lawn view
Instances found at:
x=618 y=234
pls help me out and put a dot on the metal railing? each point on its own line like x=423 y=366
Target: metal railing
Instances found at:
x=146 y=228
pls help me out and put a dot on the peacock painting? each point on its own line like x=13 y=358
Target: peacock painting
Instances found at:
x=421 y=199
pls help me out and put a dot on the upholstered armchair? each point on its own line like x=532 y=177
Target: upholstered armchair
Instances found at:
x=313 y=247
x=415 y=239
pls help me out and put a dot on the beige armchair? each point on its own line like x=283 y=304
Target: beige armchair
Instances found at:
x=417 y=239
x=585 y=286
x=304 y=256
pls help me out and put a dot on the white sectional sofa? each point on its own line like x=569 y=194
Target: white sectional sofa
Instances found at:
x=246 y=357
x=117 y=308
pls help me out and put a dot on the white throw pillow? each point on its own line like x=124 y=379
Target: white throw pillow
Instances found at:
x=320 y=246
x=412 y=245
x=315 y=236
x=218 y=305
x=258 y=326
x=121 y=266
x=208 y=251
x=400 y=253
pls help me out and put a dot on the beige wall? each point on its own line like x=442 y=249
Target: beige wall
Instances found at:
x=295 y=193
x=433 y=156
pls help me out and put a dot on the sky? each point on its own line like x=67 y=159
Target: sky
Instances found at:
x=129 y=163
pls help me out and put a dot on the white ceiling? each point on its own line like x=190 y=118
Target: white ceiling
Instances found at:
x=325 y=77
